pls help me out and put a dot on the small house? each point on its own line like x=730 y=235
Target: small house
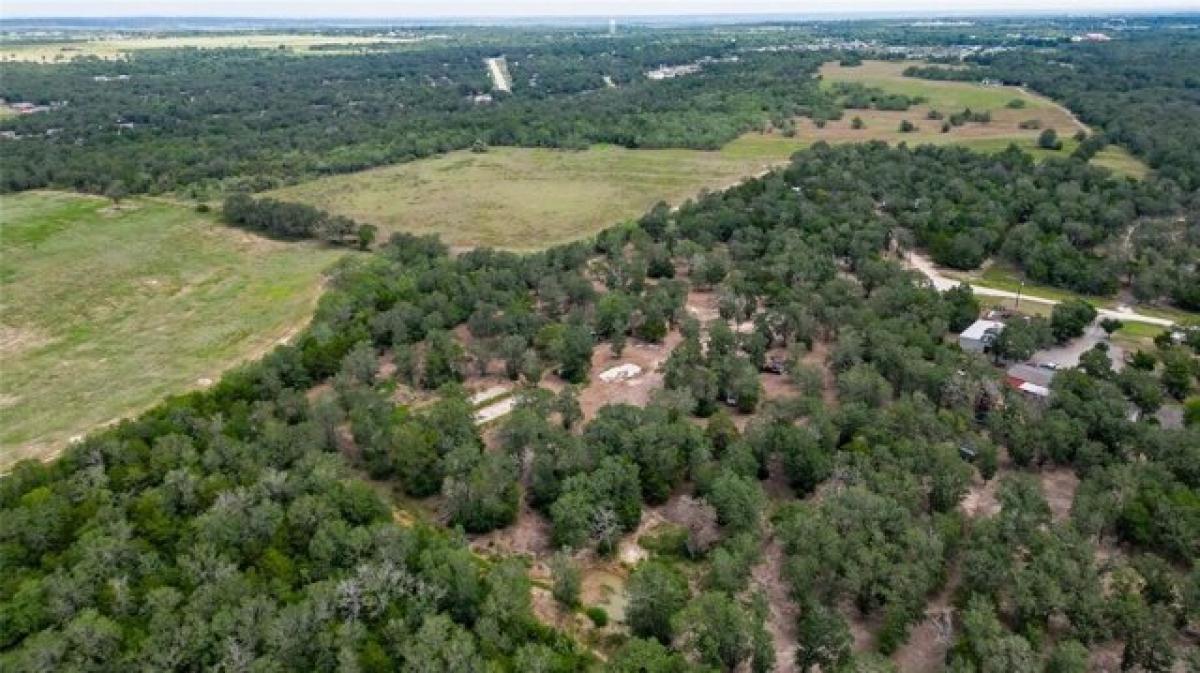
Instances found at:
x=980 y=335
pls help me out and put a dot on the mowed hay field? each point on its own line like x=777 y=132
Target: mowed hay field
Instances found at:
x=105 y=311
x=951 y=97
x=525 y=199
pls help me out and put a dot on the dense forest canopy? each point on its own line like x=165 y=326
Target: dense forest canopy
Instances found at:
x=222 y=527
x=186 y=119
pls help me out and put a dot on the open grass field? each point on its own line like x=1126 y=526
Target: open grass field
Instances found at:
x=105 y=311
x=950 y=97
x=118 y=47
x=525 y=199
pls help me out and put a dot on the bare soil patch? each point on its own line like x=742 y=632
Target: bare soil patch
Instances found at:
x=529 y=536
x=1059 y=485
x=819 y=357
x=925 y=650
x=635 y=390
x=981 y=499
x=782 y=611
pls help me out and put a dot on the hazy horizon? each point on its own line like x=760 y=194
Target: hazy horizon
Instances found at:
x=518 y=9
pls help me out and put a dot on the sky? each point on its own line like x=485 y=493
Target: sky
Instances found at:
x=491 y=8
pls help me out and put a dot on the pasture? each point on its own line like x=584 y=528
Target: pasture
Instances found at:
x=526 y=199
x=120 y=46
x=950 y=97
x=104 y=311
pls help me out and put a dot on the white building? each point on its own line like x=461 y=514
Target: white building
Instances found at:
x=980 y=335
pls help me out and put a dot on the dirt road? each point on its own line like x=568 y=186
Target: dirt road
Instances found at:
x=499 y=72
x=920 y=262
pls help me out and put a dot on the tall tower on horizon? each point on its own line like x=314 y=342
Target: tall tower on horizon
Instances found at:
x=612 y=26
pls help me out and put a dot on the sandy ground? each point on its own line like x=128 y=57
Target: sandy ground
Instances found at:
x=635 y=390
x=767 y=576
x=529 y=536
x=980 y=500
x=1058 y=486
x=819 y=357
x=925 y=650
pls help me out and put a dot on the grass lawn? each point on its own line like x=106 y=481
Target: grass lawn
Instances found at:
x=104 y=312
x=50 y=52
x=1135 y=335
x=526 y=199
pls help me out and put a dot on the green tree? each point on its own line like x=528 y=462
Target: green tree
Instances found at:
x=657 y=591
x=962 y=306
x=823 y=639
x=567 y=580
x=366 y=235
x=1069 y=318
x=1068 y=657
x=739 y=501
x=717 y=630
x=1048 y=140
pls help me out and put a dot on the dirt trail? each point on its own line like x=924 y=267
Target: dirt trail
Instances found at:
x=925 y=650
x=1058 y=106
x=782 y=610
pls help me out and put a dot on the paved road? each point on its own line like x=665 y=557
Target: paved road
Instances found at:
x=499 y=80
x=942 y=283
x=1067 y=355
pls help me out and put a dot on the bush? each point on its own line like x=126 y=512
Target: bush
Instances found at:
x=598 y=615
x=667 y=540
x=1048 y=140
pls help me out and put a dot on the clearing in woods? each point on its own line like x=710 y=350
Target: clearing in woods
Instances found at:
x=105 y=310
x=951 y=97
x=524 y=199
x=528 y=198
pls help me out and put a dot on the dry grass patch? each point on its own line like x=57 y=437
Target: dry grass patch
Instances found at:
x=106 y=311
x=524 y=199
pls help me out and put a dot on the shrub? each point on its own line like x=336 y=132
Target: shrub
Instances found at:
x=598 y=615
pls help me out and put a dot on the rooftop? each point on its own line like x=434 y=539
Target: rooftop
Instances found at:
x=981 y=327
x=1032 y=374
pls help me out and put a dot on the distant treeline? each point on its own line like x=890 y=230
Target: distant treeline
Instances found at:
x=295 y=221
x=246 y=120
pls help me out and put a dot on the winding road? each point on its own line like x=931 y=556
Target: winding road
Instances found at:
x=919 y=262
